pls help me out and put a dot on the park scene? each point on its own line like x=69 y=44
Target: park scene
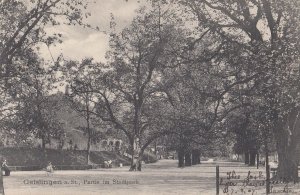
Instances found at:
x=149 y=97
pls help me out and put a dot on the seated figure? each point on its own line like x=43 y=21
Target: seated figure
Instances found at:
x=5 y=168
x=49 y=167
x=108 y=164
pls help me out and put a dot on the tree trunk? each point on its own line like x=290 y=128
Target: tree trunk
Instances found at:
x=247 y=159
x=288 y=165
x=180 y=158
x=257 y=160
x=136 y=164
x=288 y=159
x=88 y=148
x=43 y=143
x=195 y=157
x=88 y=152
x=137 y=154
x=188 y=159
x=287 y=138
x=252 y=158
x=155 y=148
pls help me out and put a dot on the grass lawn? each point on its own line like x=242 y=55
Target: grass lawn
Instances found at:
x=36 y=156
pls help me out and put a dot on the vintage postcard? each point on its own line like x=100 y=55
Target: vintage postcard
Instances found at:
x=149 y=97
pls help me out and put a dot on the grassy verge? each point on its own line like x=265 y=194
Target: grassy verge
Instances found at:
x=39 y=157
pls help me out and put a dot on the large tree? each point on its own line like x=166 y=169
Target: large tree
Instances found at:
x=34 y=110
x=22 y=77
x=266 y=33
x=81 y=78
x=23 y=24
x=129 y=88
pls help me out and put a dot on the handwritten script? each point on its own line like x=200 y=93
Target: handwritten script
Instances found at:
x=255 y=183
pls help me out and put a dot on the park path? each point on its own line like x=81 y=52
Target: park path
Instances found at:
x=158 y=178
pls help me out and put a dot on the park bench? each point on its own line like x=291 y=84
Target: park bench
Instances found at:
x=274 y=171
x=56 y=167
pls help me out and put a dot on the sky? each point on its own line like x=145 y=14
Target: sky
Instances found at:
x=79 y=42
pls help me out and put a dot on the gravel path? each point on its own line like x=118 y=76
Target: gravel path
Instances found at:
x=162 y=177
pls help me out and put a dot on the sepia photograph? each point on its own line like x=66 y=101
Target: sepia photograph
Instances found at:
x=149 y=97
